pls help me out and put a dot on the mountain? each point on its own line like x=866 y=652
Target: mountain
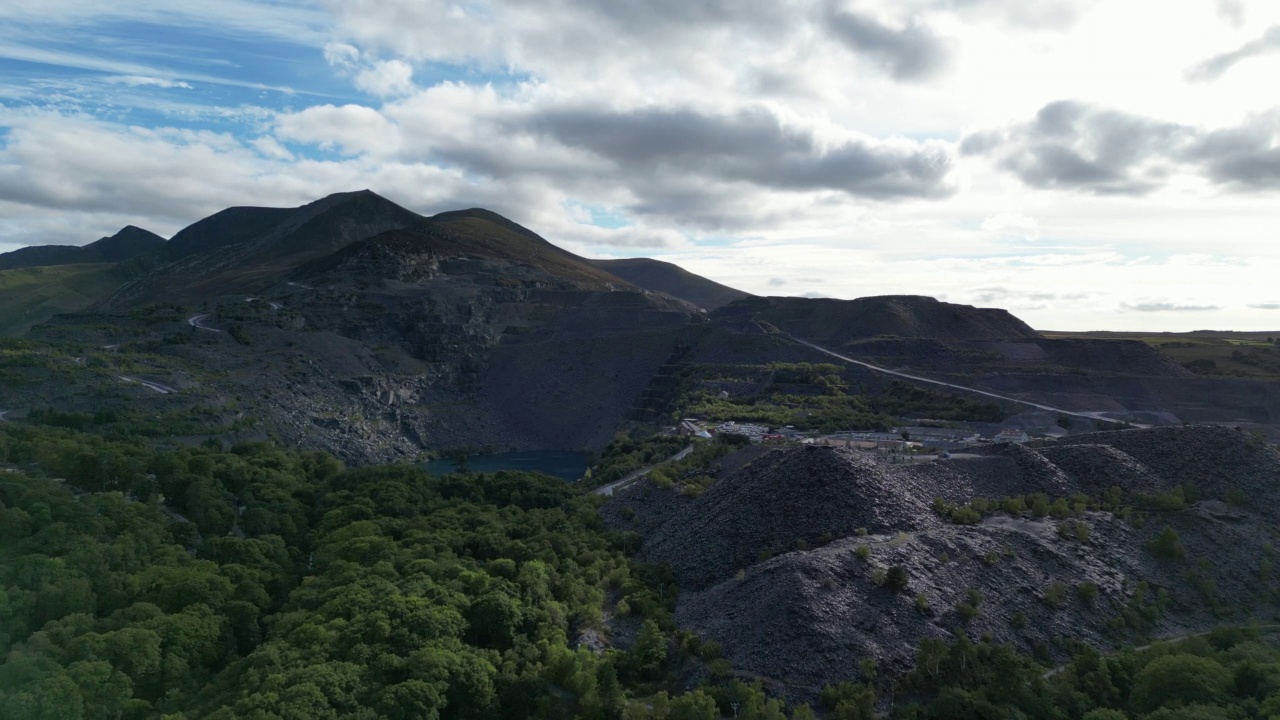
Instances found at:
x=244 y=249
x=834 y=323
x=664 y=277
x=354 y=325
x=130 y=242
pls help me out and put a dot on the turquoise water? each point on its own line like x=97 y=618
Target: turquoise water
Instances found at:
x=558 y=463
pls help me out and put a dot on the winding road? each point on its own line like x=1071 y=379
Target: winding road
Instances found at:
x=607 y=490
x=197 y=321
x=1089 y=415
x=162 y=389
x=2 y=414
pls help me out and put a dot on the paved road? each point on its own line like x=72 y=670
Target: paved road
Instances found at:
x=1090 y=415
x=162 y=389
x=197 y=321
x=607 y=490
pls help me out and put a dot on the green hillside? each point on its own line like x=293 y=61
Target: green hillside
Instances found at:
x=29 y=296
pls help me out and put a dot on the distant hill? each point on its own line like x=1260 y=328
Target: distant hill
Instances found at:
x=416 y=253
x=30 y=296
x=835 y=322
x=129 y=243
x=658 y=276
x=245 y=249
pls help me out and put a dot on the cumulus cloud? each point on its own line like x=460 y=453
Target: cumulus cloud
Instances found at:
x=705 y=170
x=730 y=42
x=1232 y=11
x=911 y=52
x=1216 y=66
x=1073 y=145
x=352 y=128
x=389 y=78
x=752 y=146
x=1165 y=306
x=1078 y=146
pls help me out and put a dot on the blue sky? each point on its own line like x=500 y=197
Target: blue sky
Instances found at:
x=1071 y=160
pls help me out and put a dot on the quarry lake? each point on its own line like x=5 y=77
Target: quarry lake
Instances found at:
x=564 y=464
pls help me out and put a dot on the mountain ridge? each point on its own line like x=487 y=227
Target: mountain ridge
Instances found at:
x=129 y=242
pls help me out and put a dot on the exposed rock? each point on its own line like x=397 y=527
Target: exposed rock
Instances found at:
x=806 y=617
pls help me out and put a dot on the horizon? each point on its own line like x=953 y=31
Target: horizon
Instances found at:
x=1058 y=158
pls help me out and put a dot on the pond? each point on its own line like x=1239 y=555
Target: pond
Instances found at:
x=564 y=464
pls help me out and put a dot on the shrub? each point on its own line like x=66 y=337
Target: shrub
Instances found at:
x=863 y=552
x=1167 y=545
x=922 y=602
x=1088 y=592
x=968 y=608
x=1055 y=595
x=896 y=578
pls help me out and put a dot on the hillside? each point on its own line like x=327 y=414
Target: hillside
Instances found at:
x=30 y=296
x=833 y=323
x=664 y=277
x=803 y=616
x=129 y=243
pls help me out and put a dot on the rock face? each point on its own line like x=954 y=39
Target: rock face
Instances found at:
x=806 y=617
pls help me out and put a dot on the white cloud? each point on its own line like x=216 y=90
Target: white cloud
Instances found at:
x=145 y=81
x=390 y=78
x=1012 y=224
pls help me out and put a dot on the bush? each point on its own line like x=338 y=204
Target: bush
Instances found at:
x=1055 y=595
x=1167 y=546
x=1088 y=592
x=896 y=578
x=863 y=552
x=968 y=608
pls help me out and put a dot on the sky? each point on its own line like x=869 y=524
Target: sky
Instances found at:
x=1085 y=164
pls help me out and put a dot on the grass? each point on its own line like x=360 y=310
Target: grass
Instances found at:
x=30 y=296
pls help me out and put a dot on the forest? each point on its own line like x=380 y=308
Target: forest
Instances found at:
x=257 y=582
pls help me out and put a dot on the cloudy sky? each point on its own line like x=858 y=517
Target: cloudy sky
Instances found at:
x=1086 y=164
